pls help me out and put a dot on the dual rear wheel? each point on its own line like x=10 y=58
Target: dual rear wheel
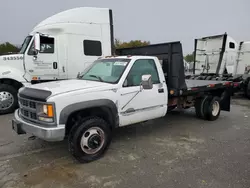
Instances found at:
x=208 y=108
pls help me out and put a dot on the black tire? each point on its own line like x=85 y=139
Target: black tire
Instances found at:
x=199 y=106
x=209 y=78
x=247 y=90
x=171 y=108
x=209 y=111
x=10 y=89
x=76 y=133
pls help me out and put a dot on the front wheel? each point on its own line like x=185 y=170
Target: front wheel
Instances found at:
x=8 y=99
x=89 y=139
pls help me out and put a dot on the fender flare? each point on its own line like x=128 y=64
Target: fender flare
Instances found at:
x=68 y=110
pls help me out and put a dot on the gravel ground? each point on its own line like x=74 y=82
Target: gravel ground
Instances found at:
x=175 y=151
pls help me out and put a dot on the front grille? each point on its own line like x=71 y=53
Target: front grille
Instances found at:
x=27 y=103
x=28 y=109
x=29 y=115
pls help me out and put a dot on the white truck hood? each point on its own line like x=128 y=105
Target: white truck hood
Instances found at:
x=12 y=61
x=65 y=86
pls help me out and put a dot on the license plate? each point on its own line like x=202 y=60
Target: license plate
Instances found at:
x=16 y=127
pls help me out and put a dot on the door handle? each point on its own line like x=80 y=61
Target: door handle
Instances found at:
x=54 y=65
x=161 y=90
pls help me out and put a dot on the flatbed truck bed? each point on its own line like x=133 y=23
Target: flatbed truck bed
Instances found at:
x=196 y=86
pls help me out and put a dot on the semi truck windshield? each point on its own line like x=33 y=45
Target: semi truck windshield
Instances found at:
x=25 y=44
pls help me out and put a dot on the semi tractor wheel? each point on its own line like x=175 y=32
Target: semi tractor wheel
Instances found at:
x=8 y=99
x=89 y=138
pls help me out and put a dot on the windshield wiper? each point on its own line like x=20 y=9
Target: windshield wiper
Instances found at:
x=98 y=77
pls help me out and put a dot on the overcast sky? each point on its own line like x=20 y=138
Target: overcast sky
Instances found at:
x=153 y=20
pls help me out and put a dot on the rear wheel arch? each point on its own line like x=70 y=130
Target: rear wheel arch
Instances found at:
x=14 y=83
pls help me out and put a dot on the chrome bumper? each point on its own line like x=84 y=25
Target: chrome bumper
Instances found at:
x=48 y=134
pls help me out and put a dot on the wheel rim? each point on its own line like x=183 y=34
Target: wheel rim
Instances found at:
x=216 y=108
x=6 y=100
x=92 y=140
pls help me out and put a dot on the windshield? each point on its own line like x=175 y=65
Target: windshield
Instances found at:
x=105 y=70
x=25 y=44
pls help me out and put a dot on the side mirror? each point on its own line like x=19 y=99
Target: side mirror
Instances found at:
x=146 y=81
x=37 y=42
x=78 y=75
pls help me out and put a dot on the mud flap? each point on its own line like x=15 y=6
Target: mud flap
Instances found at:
x=225 y=102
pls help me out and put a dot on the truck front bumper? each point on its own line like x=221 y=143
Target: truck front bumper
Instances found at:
x=48 y=134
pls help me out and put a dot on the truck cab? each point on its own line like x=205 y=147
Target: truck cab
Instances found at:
x=56 y=49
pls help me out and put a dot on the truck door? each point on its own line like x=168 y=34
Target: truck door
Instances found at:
x=231 y=57
x=43 y=65
x=136 y=105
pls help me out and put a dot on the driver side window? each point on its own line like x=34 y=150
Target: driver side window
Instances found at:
x=47 y=45
x=139 y=68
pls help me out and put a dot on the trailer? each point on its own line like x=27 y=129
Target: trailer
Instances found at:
x=220 y=57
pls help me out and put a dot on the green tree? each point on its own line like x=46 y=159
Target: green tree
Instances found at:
x=133 y=43
x=189 y=58
x=7 y=47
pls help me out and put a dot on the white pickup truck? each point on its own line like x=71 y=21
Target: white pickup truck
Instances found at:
x=115 y=92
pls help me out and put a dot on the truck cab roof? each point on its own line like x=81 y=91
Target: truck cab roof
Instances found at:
x=59 y=22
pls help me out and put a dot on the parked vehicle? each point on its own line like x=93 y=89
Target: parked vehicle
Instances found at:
x=220 y=57
x=138 y=85
x=69 y=42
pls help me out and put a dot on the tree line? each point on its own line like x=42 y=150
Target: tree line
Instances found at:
x=8 y=48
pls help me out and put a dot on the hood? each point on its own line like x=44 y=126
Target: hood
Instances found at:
x=11 y=57
x=12 y=61
x=65 y=86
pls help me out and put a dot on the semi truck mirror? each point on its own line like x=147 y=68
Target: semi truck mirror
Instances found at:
x=146 y=81
x=37 y=42
x=78 y=75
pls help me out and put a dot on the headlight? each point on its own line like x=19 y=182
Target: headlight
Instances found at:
x=48 y=110
x=45 y=112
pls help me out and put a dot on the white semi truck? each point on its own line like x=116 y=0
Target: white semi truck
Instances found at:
x=69 y=41
x=220 y=57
